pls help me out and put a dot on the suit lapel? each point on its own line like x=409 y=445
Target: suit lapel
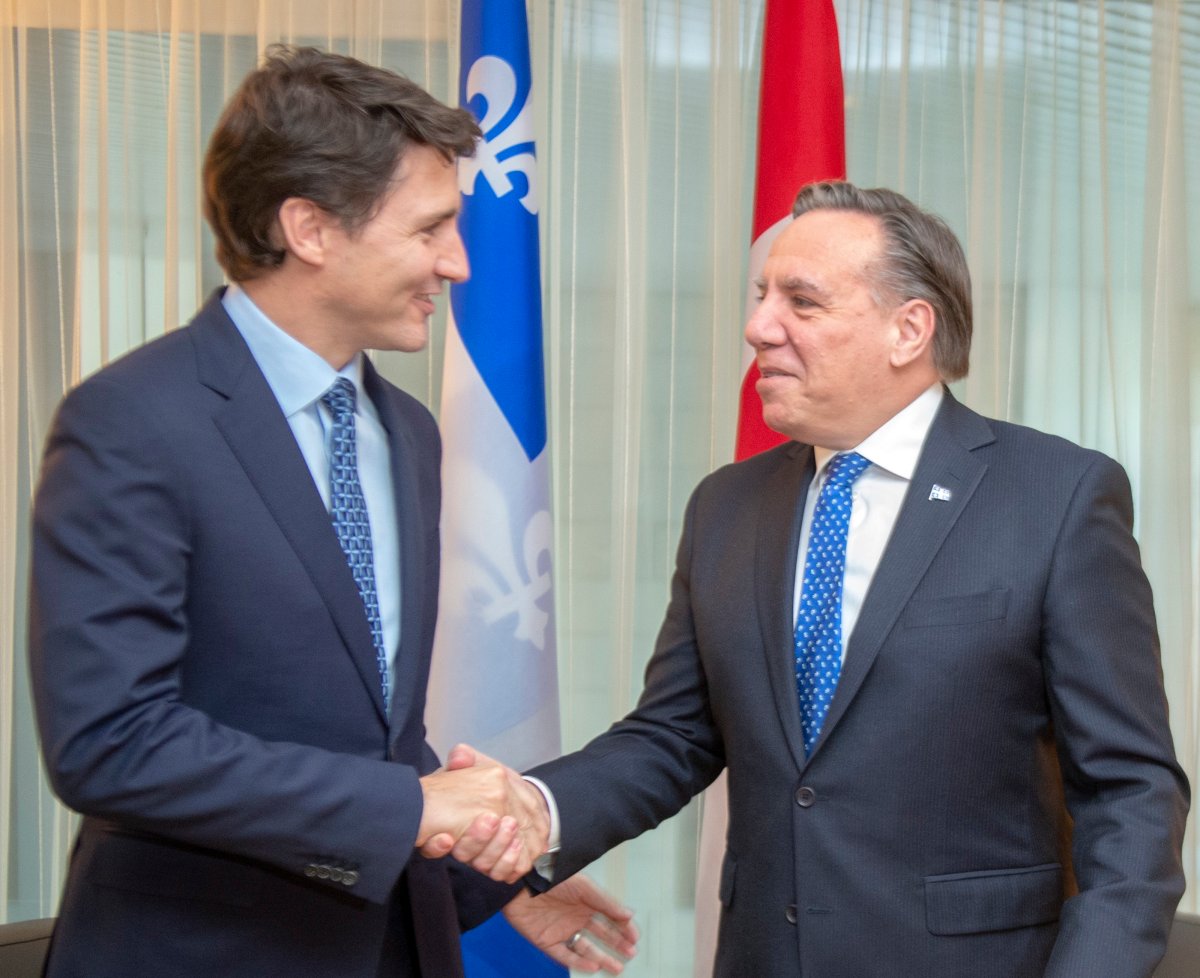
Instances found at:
x=921 y=528
x=261 y=439
x=410 y=523
x=775 y=577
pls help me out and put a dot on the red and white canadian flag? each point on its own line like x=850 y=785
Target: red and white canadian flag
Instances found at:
x=801 y=138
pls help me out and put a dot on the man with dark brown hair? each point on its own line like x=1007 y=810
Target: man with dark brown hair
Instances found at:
x=235 y=566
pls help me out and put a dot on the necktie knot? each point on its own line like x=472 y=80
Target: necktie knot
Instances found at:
x=340 y=399
x=844 y=470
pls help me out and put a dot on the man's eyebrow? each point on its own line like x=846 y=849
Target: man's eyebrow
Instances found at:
x=795 y=283
x=443 y=215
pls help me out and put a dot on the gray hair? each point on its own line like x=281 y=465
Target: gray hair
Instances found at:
x=921 y=259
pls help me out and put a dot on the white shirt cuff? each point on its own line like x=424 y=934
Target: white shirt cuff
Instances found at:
x=544 y=864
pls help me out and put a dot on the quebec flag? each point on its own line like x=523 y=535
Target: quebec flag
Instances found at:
x=494 y=683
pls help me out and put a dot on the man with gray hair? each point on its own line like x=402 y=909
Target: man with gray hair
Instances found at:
x=921 y=642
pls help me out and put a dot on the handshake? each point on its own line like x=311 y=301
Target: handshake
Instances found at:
x=486 y=815
x=483 y=814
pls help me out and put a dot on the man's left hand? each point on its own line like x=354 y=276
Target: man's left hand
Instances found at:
x=577 y=924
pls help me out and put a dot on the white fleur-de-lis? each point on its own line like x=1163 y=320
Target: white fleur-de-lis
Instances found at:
x=494 y=79
x=526 y=589
x=505 y=573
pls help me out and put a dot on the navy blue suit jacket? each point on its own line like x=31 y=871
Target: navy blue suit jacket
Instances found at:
x=1004 y=660
x=207 y=690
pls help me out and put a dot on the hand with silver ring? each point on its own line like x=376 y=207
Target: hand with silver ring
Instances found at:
x=577 y=925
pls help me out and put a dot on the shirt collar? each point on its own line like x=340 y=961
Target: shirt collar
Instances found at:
x=896 y=444
x=296 y=375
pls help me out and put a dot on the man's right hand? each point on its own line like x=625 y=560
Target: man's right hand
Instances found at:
x=484 y=814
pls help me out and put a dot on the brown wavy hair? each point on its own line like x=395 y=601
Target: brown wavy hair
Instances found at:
x=317 y=125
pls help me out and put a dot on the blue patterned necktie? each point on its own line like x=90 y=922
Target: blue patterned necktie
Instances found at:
x=818 y=636
x=348 y=508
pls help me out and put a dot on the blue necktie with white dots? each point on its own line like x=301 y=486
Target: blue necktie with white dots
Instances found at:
x=348 y=509
x=818 y=638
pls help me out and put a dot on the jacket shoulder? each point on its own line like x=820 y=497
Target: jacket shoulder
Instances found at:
x=160 y=368
x=1034 y=451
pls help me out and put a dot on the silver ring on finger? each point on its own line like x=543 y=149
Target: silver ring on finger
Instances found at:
x=573 y=940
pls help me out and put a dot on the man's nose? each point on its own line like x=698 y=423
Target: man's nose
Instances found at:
x=761 y=327
x=452 y=264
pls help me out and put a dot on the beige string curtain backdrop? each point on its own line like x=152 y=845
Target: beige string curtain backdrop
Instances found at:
x=1060 y=139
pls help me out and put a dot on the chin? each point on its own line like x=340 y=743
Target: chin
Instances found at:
x=775 y=417
x=781 y=424
x=410 y=338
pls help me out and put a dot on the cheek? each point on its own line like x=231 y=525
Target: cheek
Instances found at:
x=801 y=346
x=412 y=273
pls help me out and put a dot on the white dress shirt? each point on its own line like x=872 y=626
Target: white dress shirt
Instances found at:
x=893 y=451
x=298 y=377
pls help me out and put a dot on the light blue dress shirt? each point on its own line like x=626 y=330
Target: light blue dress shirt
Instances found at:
x=298 y=377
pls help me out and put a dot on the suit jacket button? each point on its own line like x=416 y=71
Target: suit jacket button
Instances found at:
x=310 y=870
x=790 y=913
x=335 y=874
x=350 y=877
x=322 y=871
x=805 y=797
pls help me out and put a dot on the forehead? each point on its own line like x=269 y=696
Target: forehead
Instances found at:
x=424 y=182
x=419 y=163
x=826 y=243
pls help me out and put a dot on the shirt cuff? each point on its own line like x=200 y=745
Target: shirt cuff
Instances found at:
x=544 y=864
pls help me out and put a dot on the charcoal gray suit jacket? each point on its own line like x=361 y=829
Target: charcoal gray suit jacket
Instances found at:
x=1005 y=660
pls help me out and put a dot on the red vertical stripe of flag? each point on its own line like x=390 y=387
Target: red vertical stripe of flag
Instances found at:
x=801 y=138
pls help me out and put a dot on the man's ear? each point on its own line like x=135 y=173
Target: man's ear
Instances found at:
x=304 y=230
x=916 y=323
